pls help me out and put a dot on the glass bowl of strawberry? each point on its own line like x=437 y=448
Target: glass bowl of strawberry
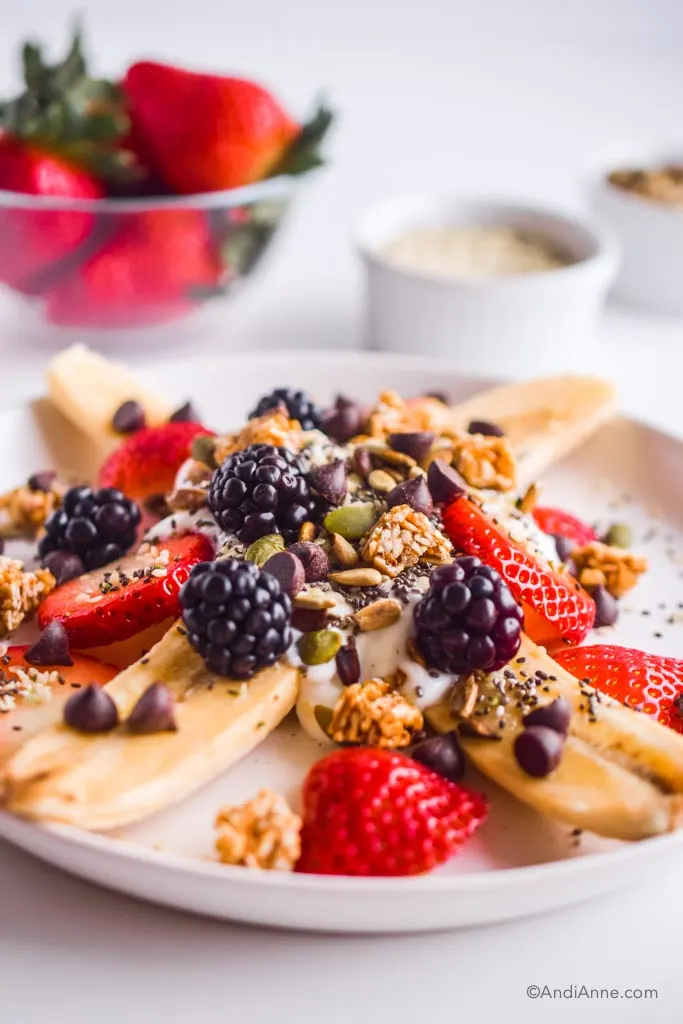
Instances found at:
x=133 y=203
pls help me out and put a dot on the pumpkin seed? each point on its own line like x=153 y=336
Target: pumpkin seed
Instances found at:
x=352 y=521
x=319 y=647
x=264 y=548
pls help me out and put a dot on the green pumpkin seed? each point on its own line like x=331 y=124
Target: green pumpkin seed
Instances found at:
x=619 y=535
x=323 y=717
x=264 y=548
x=318 y=647
x=351 y=521
x=203 y=448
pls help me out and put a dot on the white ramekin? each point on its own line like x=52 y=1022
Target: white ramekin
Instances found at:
x=518 y=324
x=650 y=235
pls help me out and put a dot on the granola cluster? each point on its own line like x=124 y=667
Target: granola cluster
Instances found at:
x=261 y=833
x=664 y=184
x=599 y=564
x=401 y=537
x=20 y=592
x=485 y=462
x=375 y=714
x=24 y=511
x=274 y=428
x=392 y=414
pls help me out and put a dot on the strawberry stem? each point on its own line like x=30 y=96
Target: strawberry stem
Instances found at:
x=304 y=153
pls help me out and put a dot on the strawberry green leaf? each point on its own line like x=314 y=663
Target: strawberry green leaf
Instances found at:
x=304 y=153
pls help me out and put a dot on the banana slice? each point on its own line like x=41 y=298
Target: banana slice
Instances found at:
x=103 y=781
x=88 y=389
x=543 y=419
x=621 y=773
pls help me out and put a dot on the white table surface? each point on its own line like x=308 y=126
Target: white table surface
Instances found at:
x=70 y=952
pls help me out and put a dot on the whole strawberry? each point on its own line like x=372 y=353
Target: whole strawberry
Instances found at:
x=146 y=463
x=377 y=812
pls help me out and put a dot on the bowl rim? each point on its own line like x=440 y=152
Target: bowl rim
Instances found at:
x=282 y=186
x=603 y=259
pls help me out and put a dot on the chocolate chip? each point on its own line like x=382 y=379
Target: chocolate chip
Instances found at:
x=51 y=647
x=564 y=546
x=416 y=444
x=343 y=421
x=348 y=663
x=606 y=606
x=63 y=565
x=185 y=414
x=413 y=492
x=555 y=715
x=128 y=418
x=42 y=481
x=330 y=481
x=362 y=462
x=308 y=620
x=154 y=711
x=313 y=558
x=287 y=570
x=485 y=427
x=91 y=710
x=443 y=754
x=538 y=750
x=444 y=482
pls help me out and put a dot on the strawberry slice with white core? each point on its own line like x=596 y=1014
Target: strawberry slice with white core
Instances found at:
x=556 y=608
x=126 y=597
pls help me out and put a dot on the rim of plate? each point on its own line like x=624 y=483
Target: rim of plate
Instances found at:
x=126 y=850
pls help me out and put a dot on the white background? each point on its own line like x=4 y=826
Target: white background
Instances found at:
x=521 y=97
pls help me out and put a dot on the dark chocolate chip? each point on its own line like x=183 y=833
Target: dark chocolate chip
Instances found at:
x=343 y=421
x=330 y=481
x=63 y=565
x=362 y=462
x=416 y=444
x=564 y=546
x=313 y=558
x=288 y=570
x=485 y=427
x=443 y=754
x=154 y=711
x=606 y=606
x=51 y=647
x=348 y=663
x=538 y=750
x=185 y=414
x=555 y=715
x=91 y=710
x=413 y=492
x=128 y=418
x=42 y=481
x=308 y=620
x=444 y=482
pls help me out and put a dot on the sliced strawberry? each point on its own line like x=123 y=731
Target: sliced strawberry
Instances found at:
x=126 y=597
x=147 y=462
x=647 y=682
x=29 y=715
x=377 y=812
x=556 y=607
x=557 y=522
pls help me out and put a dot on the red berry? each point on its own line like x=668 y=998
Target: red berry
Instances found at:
x=377 y=812
x=147 y=462
x=558 y=523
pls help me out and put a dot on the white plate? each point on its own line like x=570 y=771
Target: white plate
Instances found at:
x=518 y=863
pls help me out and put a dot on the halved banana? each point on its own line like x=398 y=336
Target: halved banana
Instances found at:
x=103 y=781
x=544 y=420
x=621 y=773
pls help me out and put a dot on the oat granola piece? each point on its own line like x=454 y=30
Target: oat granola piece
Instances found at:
x=393 y=415
x=402 y=537
x=599 y=564
x=20 y=592
x=24 y=511
x=487 y=463
x=274 y=428
x=261 y=833
x=375 y=714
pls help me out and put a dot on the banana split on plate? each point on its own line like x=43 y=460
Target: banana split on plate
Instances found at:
x=386 y=570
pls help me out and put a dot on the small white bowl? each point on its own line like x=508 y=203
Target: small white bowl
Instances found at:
x=651 y=238
x=540 y=322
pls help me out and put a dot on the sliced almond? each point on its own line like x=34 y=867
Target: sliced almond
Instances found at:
x=364 y=577
x=378 y=615
x=343 y=551
x=464 y=699
x=381 y=481
x=529 y=499
x=315 y=598
x=307 y=532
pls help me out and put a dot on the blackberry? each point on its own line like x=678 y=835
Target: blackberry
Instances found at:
x=468 y=619
x=236 y=616
x=97 y=526
x=299 y=405
x=260 y=490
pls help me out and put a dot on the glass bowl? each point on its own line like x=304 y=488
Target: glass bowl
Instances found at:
x=99 y=265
